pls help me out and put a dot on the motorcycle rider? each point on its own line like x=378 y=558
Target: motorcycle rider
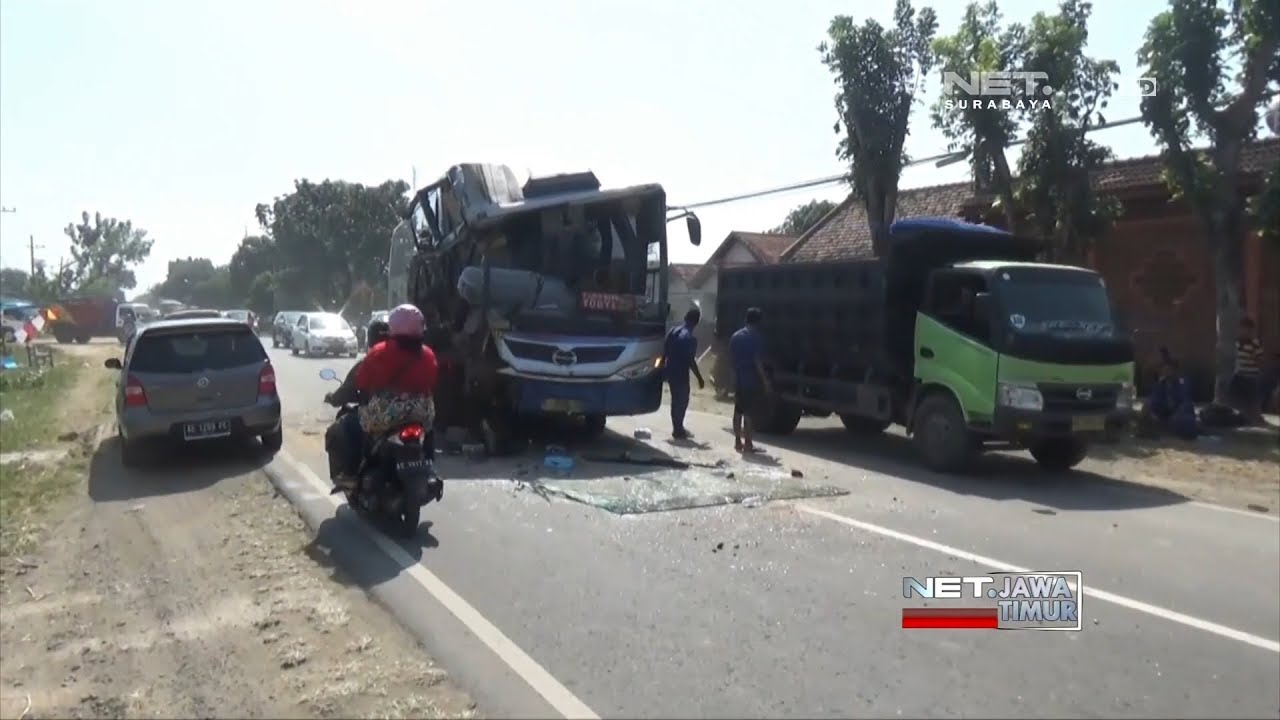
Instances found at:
x=395 y=382
x=334 y=438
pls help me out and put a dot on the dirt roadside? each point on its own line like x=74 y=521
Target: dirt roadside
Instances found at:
x=193 y=589
x=1237 y=470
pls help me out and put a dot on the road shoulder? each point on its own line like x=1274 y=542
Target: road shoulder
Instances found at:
x=191 y=588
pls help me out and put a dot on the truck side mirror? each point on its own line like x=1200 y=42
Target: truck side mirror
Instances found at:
x=695 y=229
x=982 y=306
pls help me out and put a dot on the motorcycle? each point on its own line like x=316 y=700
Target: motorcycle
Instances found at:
x=396 y=475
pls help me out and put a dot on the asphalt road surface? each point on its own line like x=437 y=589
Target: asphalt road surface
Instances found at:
x=546 y=606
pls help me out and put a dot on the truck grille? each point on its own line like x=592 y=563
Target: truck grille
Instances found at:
x=1063 y=397
x=583 y=354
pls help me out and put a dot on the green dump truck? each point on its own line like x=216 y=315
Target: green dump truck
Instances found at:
x=956 y=333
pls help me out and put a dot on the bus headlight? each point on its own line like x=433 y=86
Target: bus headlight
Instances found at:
x=635 y=371
x=1019 y=397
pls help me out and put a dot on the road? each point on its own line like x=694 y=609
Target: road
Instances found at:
x=543 y=606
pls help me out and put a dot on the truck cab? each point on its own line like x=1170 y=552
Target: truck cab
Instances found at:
x=957 y=333
x=1018 y=351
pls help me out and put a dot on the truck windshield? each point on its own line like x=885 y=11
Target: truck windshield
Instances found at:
x=1055 y=302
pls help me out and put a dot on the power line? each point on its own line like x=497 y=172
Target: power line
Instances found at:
x=941 y=160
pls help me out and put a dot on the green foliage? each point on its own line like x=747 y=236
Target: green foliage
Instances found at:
x=14 y=282
x=256 y=256
x=104 y=252
x=1214 y=65
x=803 y=217
x=877 y=72
x=981 y=44
x=1059 y=160
x=1266 y=208
x=199 y=283
x=332 y=236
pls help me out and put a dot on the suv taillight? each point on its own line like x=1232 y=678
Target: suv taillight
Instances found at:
x=267 y=381
x=134 y=394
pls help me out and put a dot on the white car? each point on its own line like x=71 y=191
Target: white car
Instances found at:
x=323 y=334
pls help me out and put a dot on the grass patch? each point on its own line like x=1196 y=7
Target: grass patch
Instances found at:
x=44 y=403
x=26 y=493
x=34 y=397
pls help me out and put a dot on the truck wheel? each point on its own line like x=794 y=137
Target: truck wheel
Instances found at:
x=859 y=425
x=62 y=334
x=777 y=417
x=1059 y=454
x=940 y=435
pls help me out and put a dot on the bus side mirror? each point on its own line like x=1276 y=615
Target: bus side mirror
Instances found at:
x=695 y=229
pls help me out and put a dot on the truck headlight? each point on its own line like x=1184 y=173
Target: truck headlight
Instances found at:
x=1127 y=396
x=638 y=370
x=1020 y=397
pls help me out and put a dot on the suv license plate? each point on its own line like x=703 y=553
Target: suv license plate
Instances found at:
x=207 y=429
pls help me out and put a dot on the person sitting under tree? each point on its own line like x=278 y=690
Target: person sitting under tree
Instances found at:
x=1170 y=404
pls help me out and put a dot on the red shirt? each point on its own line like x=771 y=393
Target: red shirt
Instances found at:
x=385 y=362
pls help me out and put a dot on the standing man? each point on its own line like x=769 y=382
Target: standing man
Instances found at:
x=679 y=357
x=1248 y=377
x=750 y=383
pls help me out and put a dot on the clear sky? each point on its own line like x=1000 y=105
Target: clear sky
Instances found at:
x=182 y=116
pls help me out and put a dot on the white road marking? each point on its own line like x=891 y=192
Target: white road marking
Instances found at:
x=992 y=563
x=542 y=682
x=1237 y=511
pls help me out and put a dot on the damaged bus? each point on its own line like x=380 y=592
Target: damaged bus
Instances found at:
x=543 y=299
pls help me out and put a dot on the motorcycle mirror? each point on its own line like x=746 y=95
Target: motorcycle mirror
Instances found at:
x=328 y=374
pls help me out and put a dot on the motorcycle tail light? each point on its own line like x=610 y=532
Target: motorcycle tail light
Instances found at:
x=411 y=433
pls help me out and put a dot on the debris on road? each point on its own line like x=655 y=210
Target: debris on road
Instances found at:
x=642 y=434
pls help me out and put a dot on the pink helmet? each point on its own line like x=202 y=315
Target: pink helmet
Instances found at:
x=406 y=321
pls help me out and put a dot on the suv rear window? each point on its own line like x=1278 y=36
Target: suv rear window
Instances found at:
x=197 y=350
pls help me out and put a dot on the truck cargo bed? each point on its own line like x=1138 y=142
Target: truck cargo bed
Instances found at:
x=816 y=314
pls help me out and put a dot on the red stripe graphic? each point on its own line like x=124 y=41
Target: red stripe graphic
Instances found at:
x=950 y=618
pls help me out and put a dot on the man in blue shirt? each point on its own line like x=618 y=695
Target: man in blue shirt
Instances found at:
x=1170 y=403
x=679 y=357
x=750 y=383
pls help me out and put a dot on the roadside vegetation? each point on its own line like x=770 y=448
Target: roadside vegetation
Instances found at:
x=48 y=414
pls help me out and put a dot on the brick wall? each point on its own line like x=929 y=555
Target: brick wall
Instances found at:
x=1160 y=275
x=1157 y=273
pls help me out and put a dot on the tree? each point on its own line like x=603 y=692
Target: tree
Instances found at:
x=333 y=236
x=984 y=130
x=1265 y=208
x=256 y=256
x=103 y=254
x=14 y=282
x=803 y=217
x=1059 y=161
x=1187 y=51
x=198 y=282
x=877 y=71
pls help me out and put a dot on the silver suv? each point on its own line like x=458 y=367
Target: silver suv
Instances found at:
x=194 y=380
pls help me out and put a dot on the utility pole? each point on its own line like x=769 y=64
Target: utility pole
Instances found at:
x=31 y=245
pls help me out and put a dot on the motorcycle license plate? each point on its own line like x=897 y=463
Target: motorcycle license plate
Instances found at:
x=413 y=466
